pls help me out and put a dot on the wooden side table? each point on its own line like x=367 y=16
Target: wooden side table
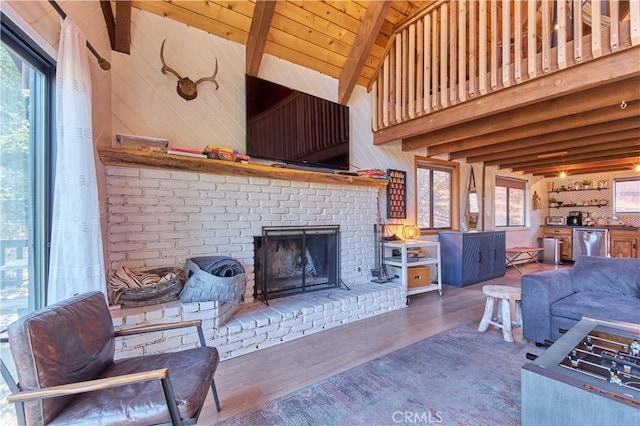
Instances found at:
x=505 y=295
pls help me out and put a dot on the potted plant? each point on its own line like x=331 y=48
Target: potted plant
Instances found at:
x=553 y=202
x=586 y=184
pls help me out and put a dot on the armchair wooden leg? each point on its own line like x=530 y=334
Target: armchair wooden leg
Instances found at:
x=171 y=401
x=215 y=394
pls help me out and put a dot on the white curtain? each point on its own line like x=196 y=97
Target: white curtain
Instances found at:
x=76 y=263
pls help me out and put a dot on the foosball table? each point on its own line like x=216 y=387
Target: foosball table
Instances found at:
x=591 y=375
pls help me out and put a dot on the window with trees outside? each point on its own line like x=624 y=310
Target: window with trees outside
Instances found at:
x=25 y=144
x=436 y=193
x=510 y=202
x=626 y=195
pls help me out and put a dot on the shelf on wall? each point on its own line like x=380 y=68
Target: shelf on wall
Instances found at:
x=557 y=191
x=147 y=159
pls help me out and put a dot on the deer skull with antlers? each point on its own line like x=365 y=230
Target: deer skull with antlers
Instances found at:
x=187 y=88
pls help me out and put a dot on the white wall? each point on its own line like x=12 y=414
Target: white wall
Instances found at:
x=145 y=101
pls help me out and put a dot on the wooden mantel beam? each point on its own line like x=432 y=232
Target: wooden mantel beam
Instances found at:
x=366 y=37
x=257 y=39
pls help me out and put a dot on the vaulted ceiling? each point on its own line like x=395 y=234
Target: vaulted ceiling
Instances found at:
x=594 y=128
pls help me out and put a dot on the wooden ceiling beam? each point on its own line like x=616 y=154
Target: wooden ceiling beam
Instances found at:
x=123 y=26
x=257 y=39
x=602 y=120
x=632 y=148
x=365 y=38
x=586 y=168
x=512 y=151
x=110 y=21
x=610 y=94
x=610 y=69
x=118 y=26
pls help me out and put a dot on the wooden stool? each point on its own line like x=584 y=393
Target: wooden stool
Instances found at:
x=505 y=295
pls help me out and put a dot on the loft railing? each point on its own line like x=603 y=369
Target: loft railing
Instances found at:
x=458 y=50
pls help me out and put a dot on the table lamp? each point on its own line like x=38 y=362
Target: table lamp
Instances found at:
x=410 y=232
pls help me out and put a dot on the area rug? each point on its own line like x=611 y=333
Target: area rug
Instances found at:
x=458 y=377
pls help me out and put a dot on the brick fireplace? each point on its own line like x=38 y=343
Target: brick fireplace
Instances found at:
x=162 y=217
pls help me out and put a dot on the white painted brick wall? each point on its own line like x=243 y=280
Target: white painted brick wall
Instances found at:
x=161 y=218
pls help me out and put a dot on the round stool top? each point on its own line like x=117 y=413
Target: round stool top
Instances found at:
x=502 y=292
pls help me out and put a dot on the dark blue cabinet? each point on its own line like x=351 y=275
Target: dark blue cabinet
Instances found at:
x=472 y=257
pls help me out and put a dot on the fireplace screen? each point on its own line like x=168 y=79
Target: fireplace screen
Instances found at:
x=292 y=260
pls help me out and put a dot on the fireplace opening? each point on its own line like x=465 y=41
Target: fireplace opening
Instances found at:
x=291 y=260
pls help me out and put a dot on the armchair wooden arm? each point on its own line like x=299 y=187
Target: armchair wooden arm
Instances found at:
x=161 y=374
x=88 y=386
x=162 y=327
x=157 y=327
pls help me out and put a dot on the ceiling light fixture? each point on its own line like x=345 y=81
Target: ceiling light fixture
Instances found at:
x=563 y=174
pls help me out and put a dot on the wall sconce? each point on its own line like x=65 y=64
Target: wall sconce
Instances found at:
x=410 y=232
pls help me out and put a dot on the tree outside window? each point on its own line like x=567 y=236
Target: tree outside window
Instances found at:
x=436 y=192
x=510 y=202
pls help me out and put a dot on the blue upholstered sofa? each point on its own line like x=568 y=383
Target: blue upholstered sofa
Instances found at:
x=599 y=287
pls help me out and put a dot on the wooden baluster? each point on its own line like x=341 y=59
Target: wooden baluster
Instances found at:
x=398 y=79
x=494 y=44
x=435 y=60
x=462 y=51
x=386 y=91
x=419 y=68
x=473 y=46
x=634 y=14
x=426 y=93
x=532 y=42
x=453 y=54
x=506 y=43
x=546 y=37
x=374 y=106
x=596 y=30
x=614 y=24
x=444 y=40
x=482 y=41
x=405 y=74
x=411 y=66
x=517 y=47
x=577 y=31
x=562 y=34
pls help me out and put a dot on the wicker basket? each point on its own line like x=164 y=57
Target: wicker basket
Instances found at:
x=153 y=294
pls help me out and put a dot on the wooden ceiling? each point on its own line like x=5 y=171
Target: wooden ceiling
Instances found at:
x=593 y=129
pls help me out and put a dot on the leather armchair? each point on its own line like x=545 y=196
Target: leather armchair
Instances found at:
x=64 y=358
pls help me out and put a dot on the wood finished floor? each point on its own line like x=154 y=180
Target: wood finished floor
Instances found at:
x=251 y=380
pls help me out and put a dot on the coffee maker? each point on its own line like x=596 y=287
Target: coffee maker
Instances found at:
x=574 y=219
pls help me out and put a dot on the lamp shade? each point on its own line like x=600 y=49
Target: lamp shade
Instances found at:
x=410 y=232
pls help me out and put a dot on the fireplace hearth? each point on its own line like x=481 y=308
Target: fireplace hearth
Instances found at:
x=296 y=259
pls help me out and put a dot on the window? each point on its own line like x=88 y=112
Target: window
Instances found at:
x=626 y=195
x=436 y=193
x=510 y=205
x=25 y=142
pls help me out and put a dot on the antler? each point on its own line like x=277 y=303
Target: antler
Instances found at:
x=212 y=78
x=165 y=68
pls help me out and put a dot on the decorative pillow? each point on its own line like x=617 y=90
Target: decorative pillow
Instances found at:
x=608 y=275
